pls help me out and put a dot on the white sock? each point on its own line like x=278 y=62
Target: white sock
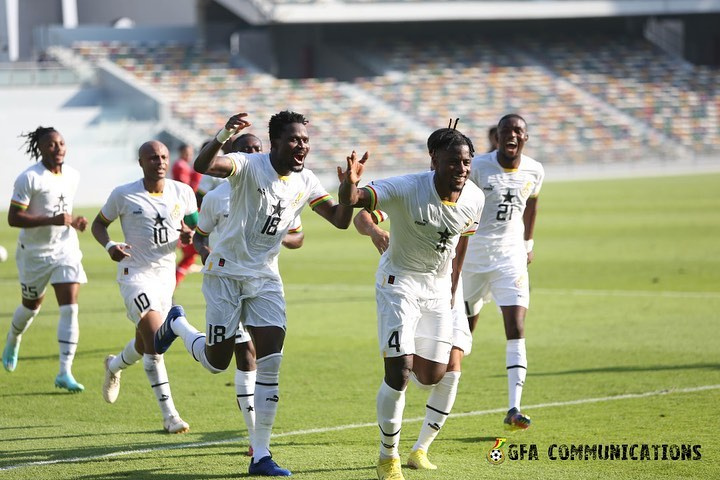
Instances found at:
x=21 y=320
x=194 y=341
x=267 y=397
x=440 y=402
x=516 y=362
x=390 y=406
x=245 y=391
x=128 y=356
x=157 y=375
x=68 y=333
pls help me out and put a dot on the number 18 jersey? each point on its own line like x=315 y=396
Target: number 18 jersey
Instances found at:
x=263 y=206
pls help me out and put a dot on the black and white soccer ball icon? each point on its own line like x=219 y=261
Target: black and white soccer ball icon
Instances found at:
x=496 y=456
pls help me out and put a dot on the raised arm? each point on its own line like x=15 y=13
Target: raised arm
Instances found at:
x=366 y=224
x=348 y=193
x=207 y=161
x=529 y=220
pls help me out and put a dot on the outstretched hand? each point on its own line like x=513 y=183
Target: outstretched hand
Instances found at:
x=186 y=233
x=354 y=169
x=237 y=122
x=79 y=223
x=119 y=251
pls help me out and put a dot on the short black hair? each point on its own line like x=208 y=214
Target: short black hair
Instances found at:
x=242 y=137
x=281 y=119
x=33 y=139
x=512 y=115
x=445 y=138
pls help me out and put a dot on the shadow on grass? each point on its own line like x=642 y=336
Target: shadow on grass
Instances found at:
x=628 y=369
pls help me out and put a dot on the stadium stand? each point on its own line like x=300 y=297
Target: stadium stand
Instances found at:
x=599 y=100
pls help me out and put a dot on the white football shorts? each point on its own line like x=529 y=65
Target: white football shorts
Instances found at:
x=35 y=272
x=231 y=304
x=414 y=316
x=146 y=290
x=506 y=281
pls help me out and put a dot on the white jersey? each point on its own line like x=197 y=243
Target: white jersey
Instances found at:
x=208 y=183
x=501 y=229
x=150 y=222
x=216 y=209
x=40 y=192
x=263 y=207
x=424 y=229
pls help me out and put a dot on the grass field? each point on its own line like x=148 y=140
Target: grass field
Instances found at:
x=622 y=340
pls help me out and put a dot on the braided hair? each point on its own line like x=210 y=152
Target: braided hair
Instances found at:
x=33 y=139
x=279 y=120
x=446 y=138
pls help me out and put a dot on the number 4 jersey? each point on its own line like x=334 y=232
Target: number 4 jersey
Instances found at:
x=501 y=228
x=263 y=206
x=150 y=222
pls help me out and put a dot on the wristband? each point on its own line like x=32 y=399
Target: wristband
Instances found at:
x=109 y=245
x=529 y=244
x=224 y=135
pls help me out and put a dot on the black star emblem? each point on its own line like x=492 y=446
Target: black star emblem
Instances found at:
x=444 y=237
x=277 y=209
x=159 y=220
x=250 y=408
x=508 y=197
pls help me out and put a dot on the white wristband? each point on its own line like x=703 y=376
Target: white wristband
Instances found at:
x=109 y=245
x=224 y=135
x=529 y=244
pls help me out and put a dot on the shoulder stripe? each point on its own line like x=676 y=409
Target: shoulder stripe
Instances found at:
x=234 y=167
x=296 y=230
x=314 y=203
x=19 y=205
x=202 y=232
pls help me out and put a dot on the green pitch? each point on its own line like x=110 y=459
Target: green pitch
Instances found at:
x=622 y=345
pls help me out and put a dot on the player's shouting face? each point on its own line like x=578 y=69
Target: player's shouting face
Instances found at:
x=512 y=135
x=452 y=167
x=291 y=148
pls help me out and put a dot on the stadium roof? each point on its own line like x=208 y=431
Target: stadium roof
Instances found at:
x=262 y=12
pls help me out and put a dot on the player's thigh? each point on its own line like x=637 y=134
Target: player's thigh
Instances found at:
x=145 y=292
x=510 y=284
x=34 y=274
x=223 y=306
x=476 y=291
x=434 y=331
x=265 y=305
x=398 y=312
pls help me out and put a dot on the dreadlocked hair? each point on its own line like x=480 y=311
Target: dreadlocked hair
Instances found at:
x=279 y=120
x=33 y=138
x=446 y=138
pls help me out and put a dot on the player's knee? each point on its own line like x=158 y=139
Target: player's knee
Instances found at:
x=422 y=386
x=244 y=359
x=268 y=368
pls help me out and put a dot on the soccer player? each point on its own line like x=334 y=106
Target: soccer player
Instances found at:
x=242 y=284
x=492 y=138
x=48 y=248
x=182 y=171
x=442 y=395
x=215 y=211
x=414 y=281
x=497 y=258
x=152 y=212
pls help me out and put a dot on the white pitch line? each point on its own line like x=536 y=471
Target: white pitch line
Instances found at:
x=582 y=401
x=305 y=287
